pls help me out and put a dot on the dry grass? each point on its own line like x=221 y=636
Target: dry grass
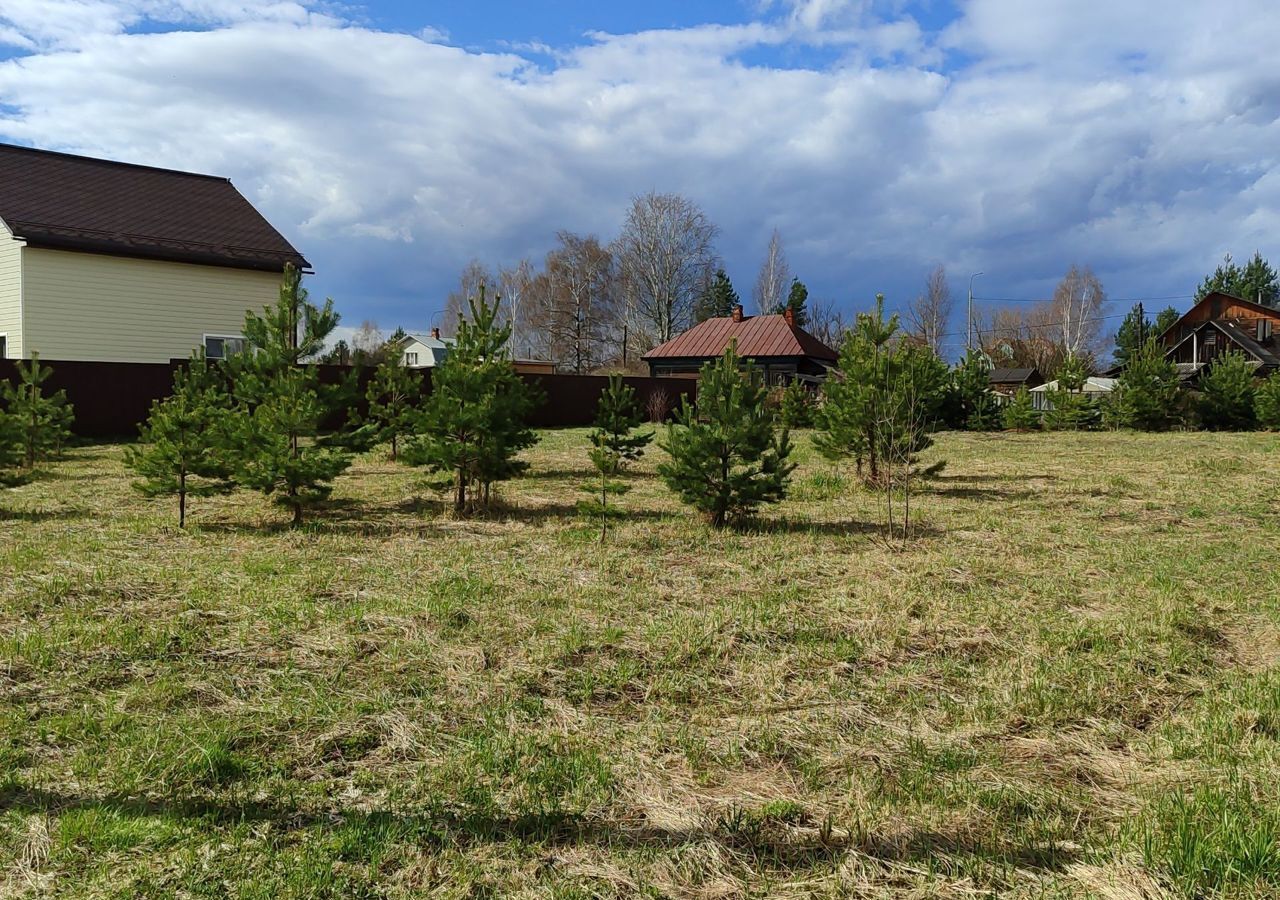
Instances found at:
x=1067 y=688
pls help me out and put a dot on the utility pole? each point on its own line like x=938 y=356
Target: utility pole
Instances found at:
x=1142 y=325
x=969 y=331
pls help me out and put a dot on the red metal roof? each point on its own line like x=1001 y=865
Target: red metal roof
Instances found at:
x=756 y=336
x=99 y=206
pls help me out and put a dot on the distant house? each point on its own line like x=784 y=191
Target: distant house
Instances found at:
x=118 y=262
x=426 y=351
x=783 y=350
x=1006 y=382
x=1219 y=324
x=423 y=351
x=1095 y=386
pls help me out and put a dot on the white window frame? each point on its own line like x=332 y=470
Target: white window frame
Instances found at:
x=410 y=358
x=4 y=353
x=204 y=343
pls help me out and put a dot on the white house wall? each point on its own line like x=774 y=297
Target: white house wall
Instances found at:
x=11 y=293
x=86 y=306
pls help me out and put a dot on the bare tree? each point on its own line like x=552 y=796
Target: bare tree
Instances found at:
x=514 y=286
x=770 y=292
x=574 y=302
x=1077 y=309
x=474 y=274
x=929 y=314
x=664 y=253
x=827 y=323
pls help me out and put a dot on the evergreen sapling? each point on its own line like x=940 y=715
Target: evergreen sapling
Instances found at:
x=394 y=395
x=1020 y=413
x=185 y=445
x=281 y=447
x=727 y=457
x=614 y=443
x=43 y=422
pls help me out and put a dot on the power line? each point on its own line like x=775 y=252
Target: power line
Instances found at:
x=1109 y=299
x=1029 y=325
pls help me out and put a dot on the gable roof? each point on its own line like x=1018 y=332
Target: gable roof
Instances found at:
x=1267 y=311
x=1012 y=376
x=67 y=202
x=1235 y=334
x=755 y=336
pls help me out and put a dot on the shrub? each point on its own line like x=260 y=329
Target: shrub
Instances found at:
x=1266 y=403
x=185 y=445
x=796 y=408
x=1070 y=408
x=1020 y=414
x=727 y=455
x=1146 y=397
x=1227 y=391
x=979 y=410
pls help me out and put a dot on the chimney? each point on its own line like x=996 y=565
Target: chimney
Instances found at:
x=435 y=333
x=737 y=313
x=790 y=316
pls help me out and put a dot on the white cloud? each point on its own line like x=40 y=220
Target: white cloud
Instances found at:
x=1074 y=131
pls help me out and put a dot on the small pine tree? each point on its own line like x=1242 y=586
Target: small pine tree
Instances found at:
x=1266 y=403
x=472 y=424
x=1020 y=413
x=855 y=419
x=1227 y=391
x=618 y=416
x=1146 y=396
x=282 y=449
x=10 y=449
x=185 y=445
x=614 y=442
x=727 y=456
x=796 y=408
x=43 y=422
x=1070 y=408
x=394 y=394
x=979 y=409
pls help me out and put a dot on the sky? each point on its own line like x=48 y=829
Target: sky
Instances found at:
x=394 y=141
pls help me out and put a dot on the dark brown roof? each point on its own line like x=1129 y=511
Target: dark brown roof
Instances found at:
x=756 y=336
x=1012 y=376
x=78 y=203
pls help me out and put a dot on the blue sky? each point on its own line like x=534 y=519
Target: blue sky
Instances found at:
x=393 y=142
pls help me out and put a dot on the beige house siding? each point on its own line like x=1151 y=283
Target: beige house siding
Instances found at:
x=87 y=306
x=11 y=293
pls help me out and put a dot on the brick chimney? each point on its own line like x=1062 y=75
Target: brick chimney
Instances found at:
x=737 y=313
x=790 y=316
x=435 y=333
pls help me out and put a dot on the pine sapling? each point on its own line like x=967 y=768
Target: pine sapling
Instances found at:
x=43 y=422
x=614 y=443
x=727 y=457
x=184 y=449
x=1020 y=413
x=394 y=394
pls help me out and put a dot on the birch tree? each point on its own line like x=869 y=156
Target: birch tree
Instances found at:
x=1077 y=307
x=929 y=313
x=772 y=283
x=666 y=254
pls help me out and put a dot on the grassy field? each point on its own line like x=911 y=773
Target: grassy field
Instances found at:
x=1069 y=686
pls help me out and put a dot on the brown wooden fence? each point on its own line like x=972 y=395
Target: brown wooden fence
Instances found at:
x=112 y=399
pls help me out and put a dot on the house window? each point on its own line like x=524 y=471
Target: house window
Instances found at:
x=4 y=346
x=411 y=359
x=221 y=346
